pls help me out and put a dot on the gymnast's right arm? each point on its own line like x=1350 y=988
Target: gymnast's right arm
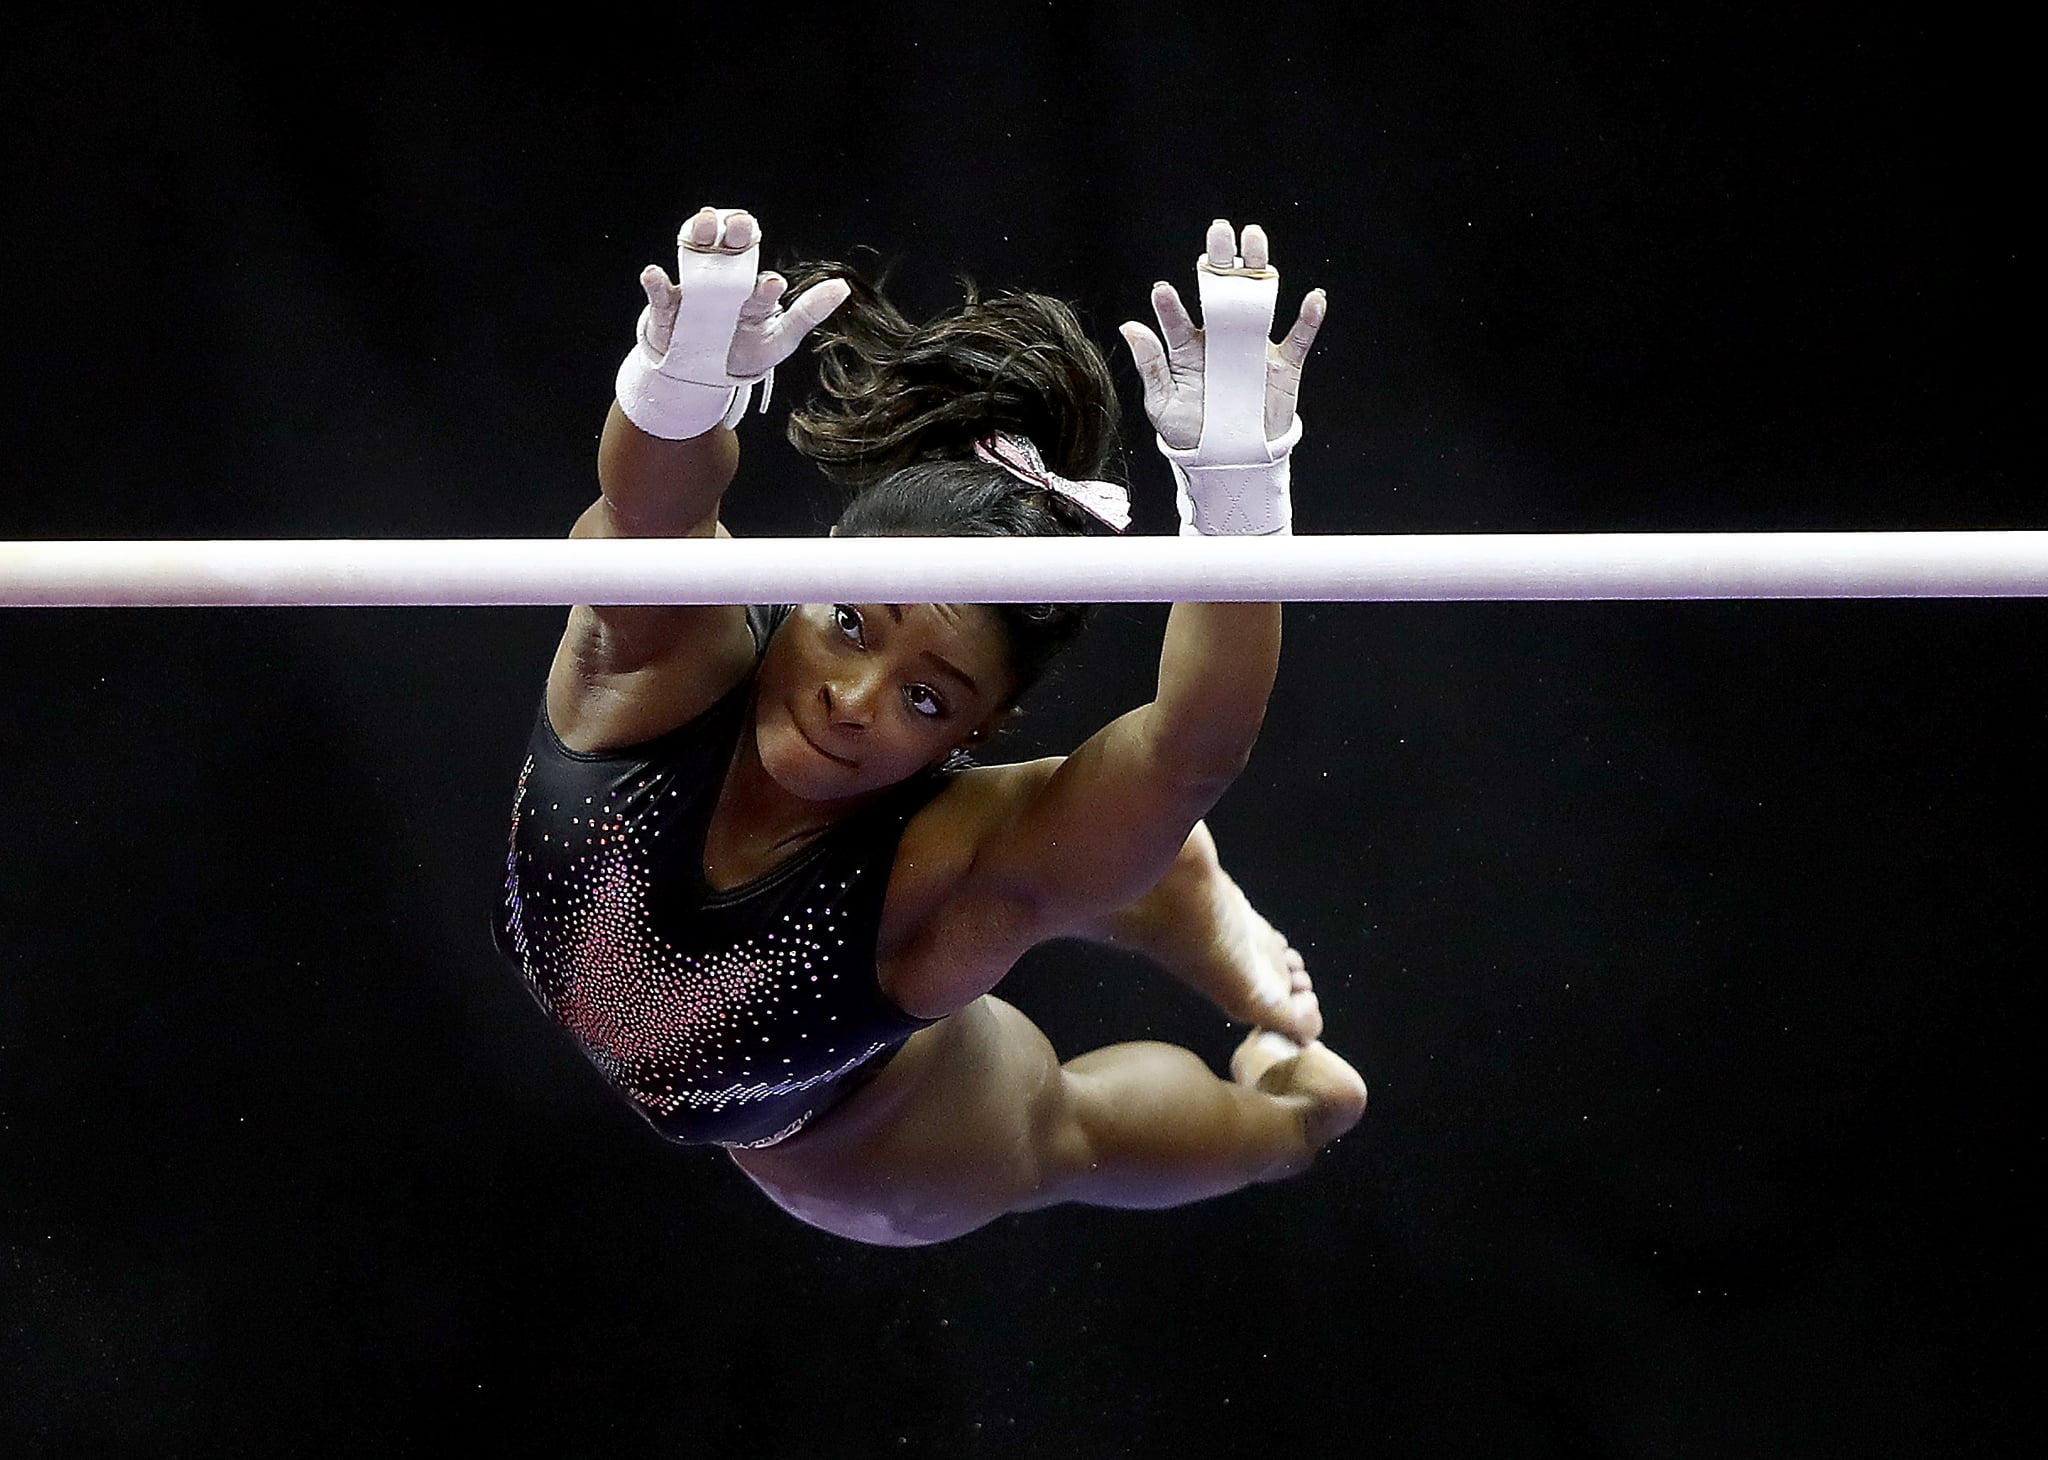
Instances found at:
x=626 y=674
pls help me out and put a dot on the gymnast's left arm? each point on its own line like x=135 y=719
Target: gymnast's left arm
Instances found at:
x=1111 y=821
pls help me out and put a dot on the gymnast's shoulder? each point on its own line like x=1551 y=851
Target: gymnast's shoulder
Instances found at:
x=934 y=876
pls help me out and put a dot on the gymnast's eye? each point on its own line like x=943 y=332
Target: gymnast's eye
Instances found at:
x=848 y=619
x=925 y=700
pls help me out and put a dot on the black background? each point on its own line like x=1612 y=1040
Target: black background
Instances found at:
x=1683 y=946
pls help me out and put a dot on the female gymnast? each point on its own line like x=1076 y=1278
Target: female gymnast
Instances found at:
x=753 y=868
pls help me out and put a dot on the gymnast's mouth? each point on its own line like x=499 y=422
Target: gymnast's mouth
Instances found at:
x=835 y=759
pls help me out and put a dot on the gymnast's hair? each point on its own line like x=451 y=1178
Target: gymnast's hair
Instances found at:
x=898 y=410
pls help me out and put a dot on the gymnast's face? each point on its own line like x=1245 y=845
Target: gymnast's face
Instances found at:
x=855 y=697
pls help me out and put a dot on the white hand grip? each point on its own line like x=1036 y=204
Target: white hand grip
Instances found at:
x=1234 y=481
x=686 y=390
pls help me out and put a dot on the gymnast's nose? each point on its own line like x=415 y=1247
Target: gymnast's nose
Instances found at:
x=850 y=700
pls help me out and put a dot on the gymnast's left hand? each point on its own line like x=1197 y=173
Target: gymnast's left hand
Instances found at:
x=1172 y=371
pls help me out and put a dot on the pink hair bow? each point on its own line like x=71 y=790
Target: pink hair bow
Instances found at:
x=1107 y=502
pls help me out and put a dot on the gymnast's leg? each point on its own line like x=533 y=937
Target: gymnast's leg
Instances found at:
x=977 y=1117
x=1149 y=1125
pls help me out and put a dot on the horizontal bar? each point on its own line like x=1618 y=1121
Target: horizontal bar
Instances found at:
x=1622 y=565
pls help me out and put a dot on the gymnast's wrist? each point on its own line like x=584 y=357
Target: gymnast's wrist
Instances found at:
x=670 y=408
x=1251 y=498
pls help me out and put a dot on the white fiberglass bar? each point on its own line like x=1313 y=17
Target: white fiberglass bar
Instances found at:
x=1664 y=565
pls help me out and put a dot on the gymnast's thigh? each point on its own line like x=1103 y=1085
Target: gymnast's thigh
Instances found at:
x=967 y=1123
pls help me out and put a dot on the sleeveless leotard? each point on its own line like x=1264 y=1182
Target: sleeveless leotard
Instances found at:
x=732 y=1017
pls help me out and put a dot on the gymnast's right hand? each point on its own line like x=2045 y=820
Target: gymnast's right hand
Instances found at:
x=714 y=330
x=1173 y=372
x=1222 y=396
x=769 y=330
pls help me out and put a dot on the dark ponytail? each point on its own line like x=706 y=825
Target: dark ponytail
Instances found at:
x=893 y=394
x=899 y=407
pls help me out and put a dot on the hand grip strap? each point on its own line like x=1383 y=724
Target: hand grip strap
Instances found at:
x=687 y=390
x=1234 y=480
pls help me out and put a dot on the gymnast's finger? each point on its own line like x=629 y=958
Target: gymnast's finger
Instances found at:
x=662 y=299
x=1222 y=244
x=767 y=294
x=811 y=308
x=742 y=232
x=700 y=231
x=1175 y=324
x=1150 y=358
x=1256 y=248
x=785 y=331
x=1294 y=349
x=661 y=292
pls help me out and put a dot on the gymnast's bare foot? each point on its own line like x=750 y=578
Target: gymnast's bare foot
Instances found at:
x=1278 y=1066
x=1253 y=955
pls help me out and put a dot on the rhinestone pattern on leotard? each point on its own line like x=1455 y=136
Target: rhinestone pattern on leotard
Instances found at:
x=727 y=1017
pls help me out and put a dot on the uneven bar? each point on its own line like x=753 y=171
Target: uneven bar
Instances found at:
x=1333 y=568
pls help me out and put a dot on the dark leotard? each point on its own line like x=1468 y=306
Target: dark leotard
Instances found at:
x=733 y=1017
